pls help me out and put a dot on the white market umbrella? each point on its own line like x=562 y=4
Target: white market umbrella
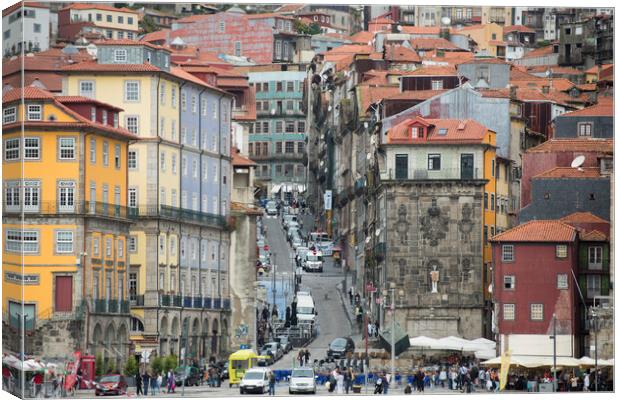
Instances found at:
x=422 y=341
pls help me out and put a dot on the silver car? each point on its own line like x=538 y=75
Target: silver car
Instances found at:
x=302 y=381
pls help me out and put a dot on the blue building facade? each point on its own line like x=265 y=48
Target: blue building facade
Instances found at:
x=277 y=138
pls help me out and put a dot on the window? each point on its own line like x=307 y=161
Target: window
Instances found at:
x=485 y=236
x=7 y=34
x=11 y=149
x=584 y=128
x=562 y=281
x=578 y=30
x=278 y=147
x=117 y=156
x=194 y=105
x=290 y=86
x=436 y=85
x=66 y=148
x=108 y=18
x=508 y=253
x=9 y=115
x=174 y=164
x=98 y=17
x=162 y=161
x=132 y=90
x=129 y=21
x=300 y=147
x=132 y=159
x=492 y=201
x=18 y=241
x=401 y=166
x=290 y=126
x=31 y=148
x=434 y=162
x=486 y=201
x=290 y=147
x=35 y=112
x=93 y=150
x=133 y=197
x=87 y=88
x=31 y=195
x=120 y=249
x=173 y=197
x=132 y=244
x=131 y=123
x=509 y=312
x=266 y=127
x=536 y=312
x=162 y=93
x=106 y=156
x=595 y=257
x=115 y=120
x=64 y=242
x=561 y=251
x=104 y=117
x=11 y=195
x=183 y=101
x=96 y=247
x=222 y=27
x=238 y=49
x=184 y=165
x=289 y=105
x=194 y=169
x=120 y=56
x=509 y=282
x=278 y=170
x=593 y=285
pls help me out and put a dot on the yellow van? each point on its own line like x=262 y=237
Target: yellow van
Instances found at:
x=239 y=362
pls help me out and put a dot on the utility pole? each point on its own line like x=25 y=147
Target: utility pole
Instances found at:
x=595 y=321
x=393 y=361
x=555 y=372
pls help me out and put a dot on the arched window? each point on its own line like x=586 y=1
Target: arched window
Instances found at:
x=136 y=325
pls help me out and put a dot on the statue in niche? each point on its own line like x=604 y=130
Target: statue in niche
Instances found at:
x=434 y=225
x=466 y=225
x=402 y=224
x=434 y=279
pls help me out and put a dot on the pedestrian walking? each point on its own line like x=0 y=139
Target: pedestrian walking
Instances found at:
x=307 y=356
x=386 y=382
x=378 y=385
x=153 y=382
x=340 y=383
x=272 y=384
x=348 y=380
x=351 y=295
x=300 y=357
x=171 y=382
x=146 y=383
x=37 y=381
x=419 y=378
x=138 y=384
x=375 y=329
x=357 y=298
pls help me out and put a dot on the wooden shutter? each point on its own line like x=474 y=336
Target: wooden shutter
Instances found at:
x=63 y=301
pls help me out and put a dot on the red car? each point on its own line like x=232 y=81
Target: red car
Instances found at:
x=111 y=384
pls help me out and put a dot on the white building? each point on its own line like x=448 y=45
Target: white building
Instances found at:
x=27 y=26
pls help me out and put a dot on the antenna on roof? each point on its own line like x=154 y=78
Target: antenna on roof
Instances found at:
x=578 y=162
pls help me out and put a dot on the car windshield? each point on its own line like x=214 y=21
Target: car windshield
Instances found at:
x=314 y=257
x=271 y=204
x=302 y=373
x=305 y=310
x=180 y=370
x=340 y=342
x=112 y=378
x=253 y=375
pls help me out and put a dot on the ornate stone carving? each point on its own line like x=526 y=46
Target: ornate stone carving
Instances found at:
x=402 y=224
x=434 y=267
x=434 y=226
x=466 y=225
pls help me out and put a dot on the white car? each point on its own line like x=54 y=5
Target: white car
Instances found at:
x=255 y=380
x=271 y=208
x=302 y=381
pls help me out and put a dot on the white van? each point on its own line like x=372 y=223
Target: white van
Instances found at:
x=322 y=242
x=314 y=261
x=305 y=308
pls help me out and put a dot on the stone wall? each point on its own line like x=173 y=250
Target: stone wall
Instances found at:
x=52 y=339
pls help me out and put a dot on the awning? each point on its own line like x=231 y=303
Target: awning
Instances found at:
x=535 y=361
x=275 y=189
x=590 y=362
x=300 y=188
x=484 y=347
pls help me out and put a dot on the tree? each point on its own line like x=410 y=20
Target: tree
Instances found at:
x=157 y=365
x=110 y=367
x=147 y=25
x=131 y=366
x=99 y=367
x=170 y=362
x=312 y=29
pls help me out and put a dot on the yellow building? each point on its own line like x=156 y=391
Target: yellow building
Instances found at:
x=111 y=22
x=488 y=38
x=67 y=173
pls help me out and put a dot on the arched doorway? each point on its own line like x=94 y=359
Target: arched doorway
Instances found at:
x=185 y=332
x=123 y=341
x=97 y=339
x=195 y=334
x=214 y=337
x=174 y=335
x=110 y=341
x=205 y=337
x=163 y=336
x=224 y=336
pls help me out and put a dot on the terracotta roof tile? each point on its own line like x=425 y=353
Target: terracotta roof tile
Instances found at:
x=287 y=8
x=180 y=73
x=29 y=92
x=82 y=99
x=594 y=69
x=433 y=43
x=538 y=231
x=587 y=87
x=156 y=36
x=128 y=42
x=593 y=236
x=569 y=172
x=542 y=51
x=497 y=43
x=456 y=131
x=434 y=70
x=401 y=53
x=97 y=6
x=245 y=208
x=15 y=6
x=571 y=145
x=597 y=110
x=452 y=57
x=350 y=49
x=485 y=60
x=583 y=217
x=239 y=160
x=420 y=30
x=96 y=67
x=518 y=28
x=370 y=94
x=556 y=70
x=416 y=94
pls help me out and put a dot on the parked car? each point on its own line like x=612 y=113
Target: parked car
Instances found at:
x=271 y=208
x=297 y=241
x=285 y=343
x=255 y=380
x=302 y=381
x=273 y=350
x=292 y=225
x=191 y=376
x=111 y=384
x=339 y=347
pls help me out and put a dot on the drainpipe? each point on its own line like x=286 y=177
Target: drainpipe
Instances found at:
x=219 y=195
x=157 y=204
x=200 y=207
x=82 y=257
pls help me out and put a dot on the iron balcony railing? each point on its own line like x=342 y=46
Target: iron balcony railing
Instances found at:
x=164 y=300
x=435 y=175
x=94 y=208
x=112 y=306
x=217 y=303
x=206 y=302
x=197 y=302
x=177 y=301
x=178 y=214
x=187 y=301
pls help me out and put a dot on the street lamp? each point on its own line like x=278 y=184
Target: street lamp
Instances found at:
x=554 y=337
x=594 y=318
x=393 y=355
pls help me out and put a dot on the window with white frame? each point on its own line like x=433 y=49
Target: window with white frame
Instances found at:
x=184 y=165
x=238 y=48
x=106 y=153
x=215 y=109
x=194 y=169
x=162 y=126
x=173 y=246
x=11 y=149
x=18 y=241
x=174 y=163
x=584 y=128
x=183 y=199
x=34 y=112
x=120 y=56
x=133 y=197
x=595 y=257
x=593 y=286
x=162 y=196
x=66 y=195
x=96 y=247
x=66 y=148
x=9 y=115
x=93 y=150
x=132 y=159
x=436 y=85
x=173 y=96
x=32 y=195
x=108 y=247
x=173 y=197
x=508 y=312
x=132 y=244
x=64 y=241
x=31 y=148
x=203 y=107
x=11 y=195
x=120 y=248
x=87 y=89
x=562 y=281
x=508 y=253
x=183 y=101
x=117 y=156
x=162 y=93
x=194 y=105
x=536 y=312
x=509 y=282
x=132 y=123
x=132 y=90
x=173 y=130
x=561 y=251
x=162 y=161
x=434 y=162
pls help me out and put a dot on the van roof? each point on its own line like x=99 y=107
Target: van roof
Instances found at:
x=305 y=301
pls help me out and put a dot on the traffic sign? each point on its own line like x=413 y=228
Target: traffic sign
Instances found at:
x=266 y=247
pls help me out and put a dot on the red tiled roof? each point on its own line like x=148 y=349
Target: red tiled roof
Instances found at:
x=556 y=69
x=350 y=49
x=97 y=6
x=593 y=236
x=451 y=57
x=401 y=53
x=587 y=87
x=96 y=67
x=420 y=30
x=569 y=172
x=485 y=60
x=29 y=92
x=15 y=6
x=156 y=36
x=434 y=70
x=497 y=43
x=238 y=160
x=518 y=28
x=268 y=15
x=245 y=208
x=433 y=43
x=572 y=145
x=597 y=110
x=470 y=28
x=416 y=94
x=583 y=217
x=362 y=37
x=538 y=231
x=180 y=73
x=287 y=8
x=457 y=131
x=594 y=69
x=370 y=94
x=542 y=51
x=128 y=42
x=561 y=84
x=82 y=99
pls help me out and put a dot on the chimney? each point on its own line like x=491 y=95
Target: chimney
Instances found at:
x=513 y=92
x=545 y=89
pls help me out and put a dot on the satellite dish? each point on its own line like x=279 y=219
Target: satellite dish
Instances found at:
x=367 y=239
x=378 y=232
x=399 y=28
x=373 y=139
x=365 y=125
x=368 y=156
x=578 y=161
x=445 y=21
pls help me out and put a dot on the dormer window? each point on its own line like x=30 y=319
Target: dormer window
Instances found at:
x=120 y=56
x=414 y=132
x=93 y=114
x=35 y=112
x=148 y=57
x=104 y=117
x=443 y=131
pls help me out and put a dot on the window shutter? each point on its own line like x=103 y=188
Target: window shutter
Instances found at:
x=583 y=285
x=583 y=257
x=606 y=258
x=605 y=285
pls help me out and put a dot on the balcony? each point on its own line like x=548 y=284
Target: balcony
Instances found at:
x=433 y=175
x=217 y=303
x=187 y=301
x=206 y=302
x=124 y=307
x=111 y=306
x=93 y=208
x=164 y=300
x=177 y=301
x=197 y=302
x=178 y=214
x=226 y=305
